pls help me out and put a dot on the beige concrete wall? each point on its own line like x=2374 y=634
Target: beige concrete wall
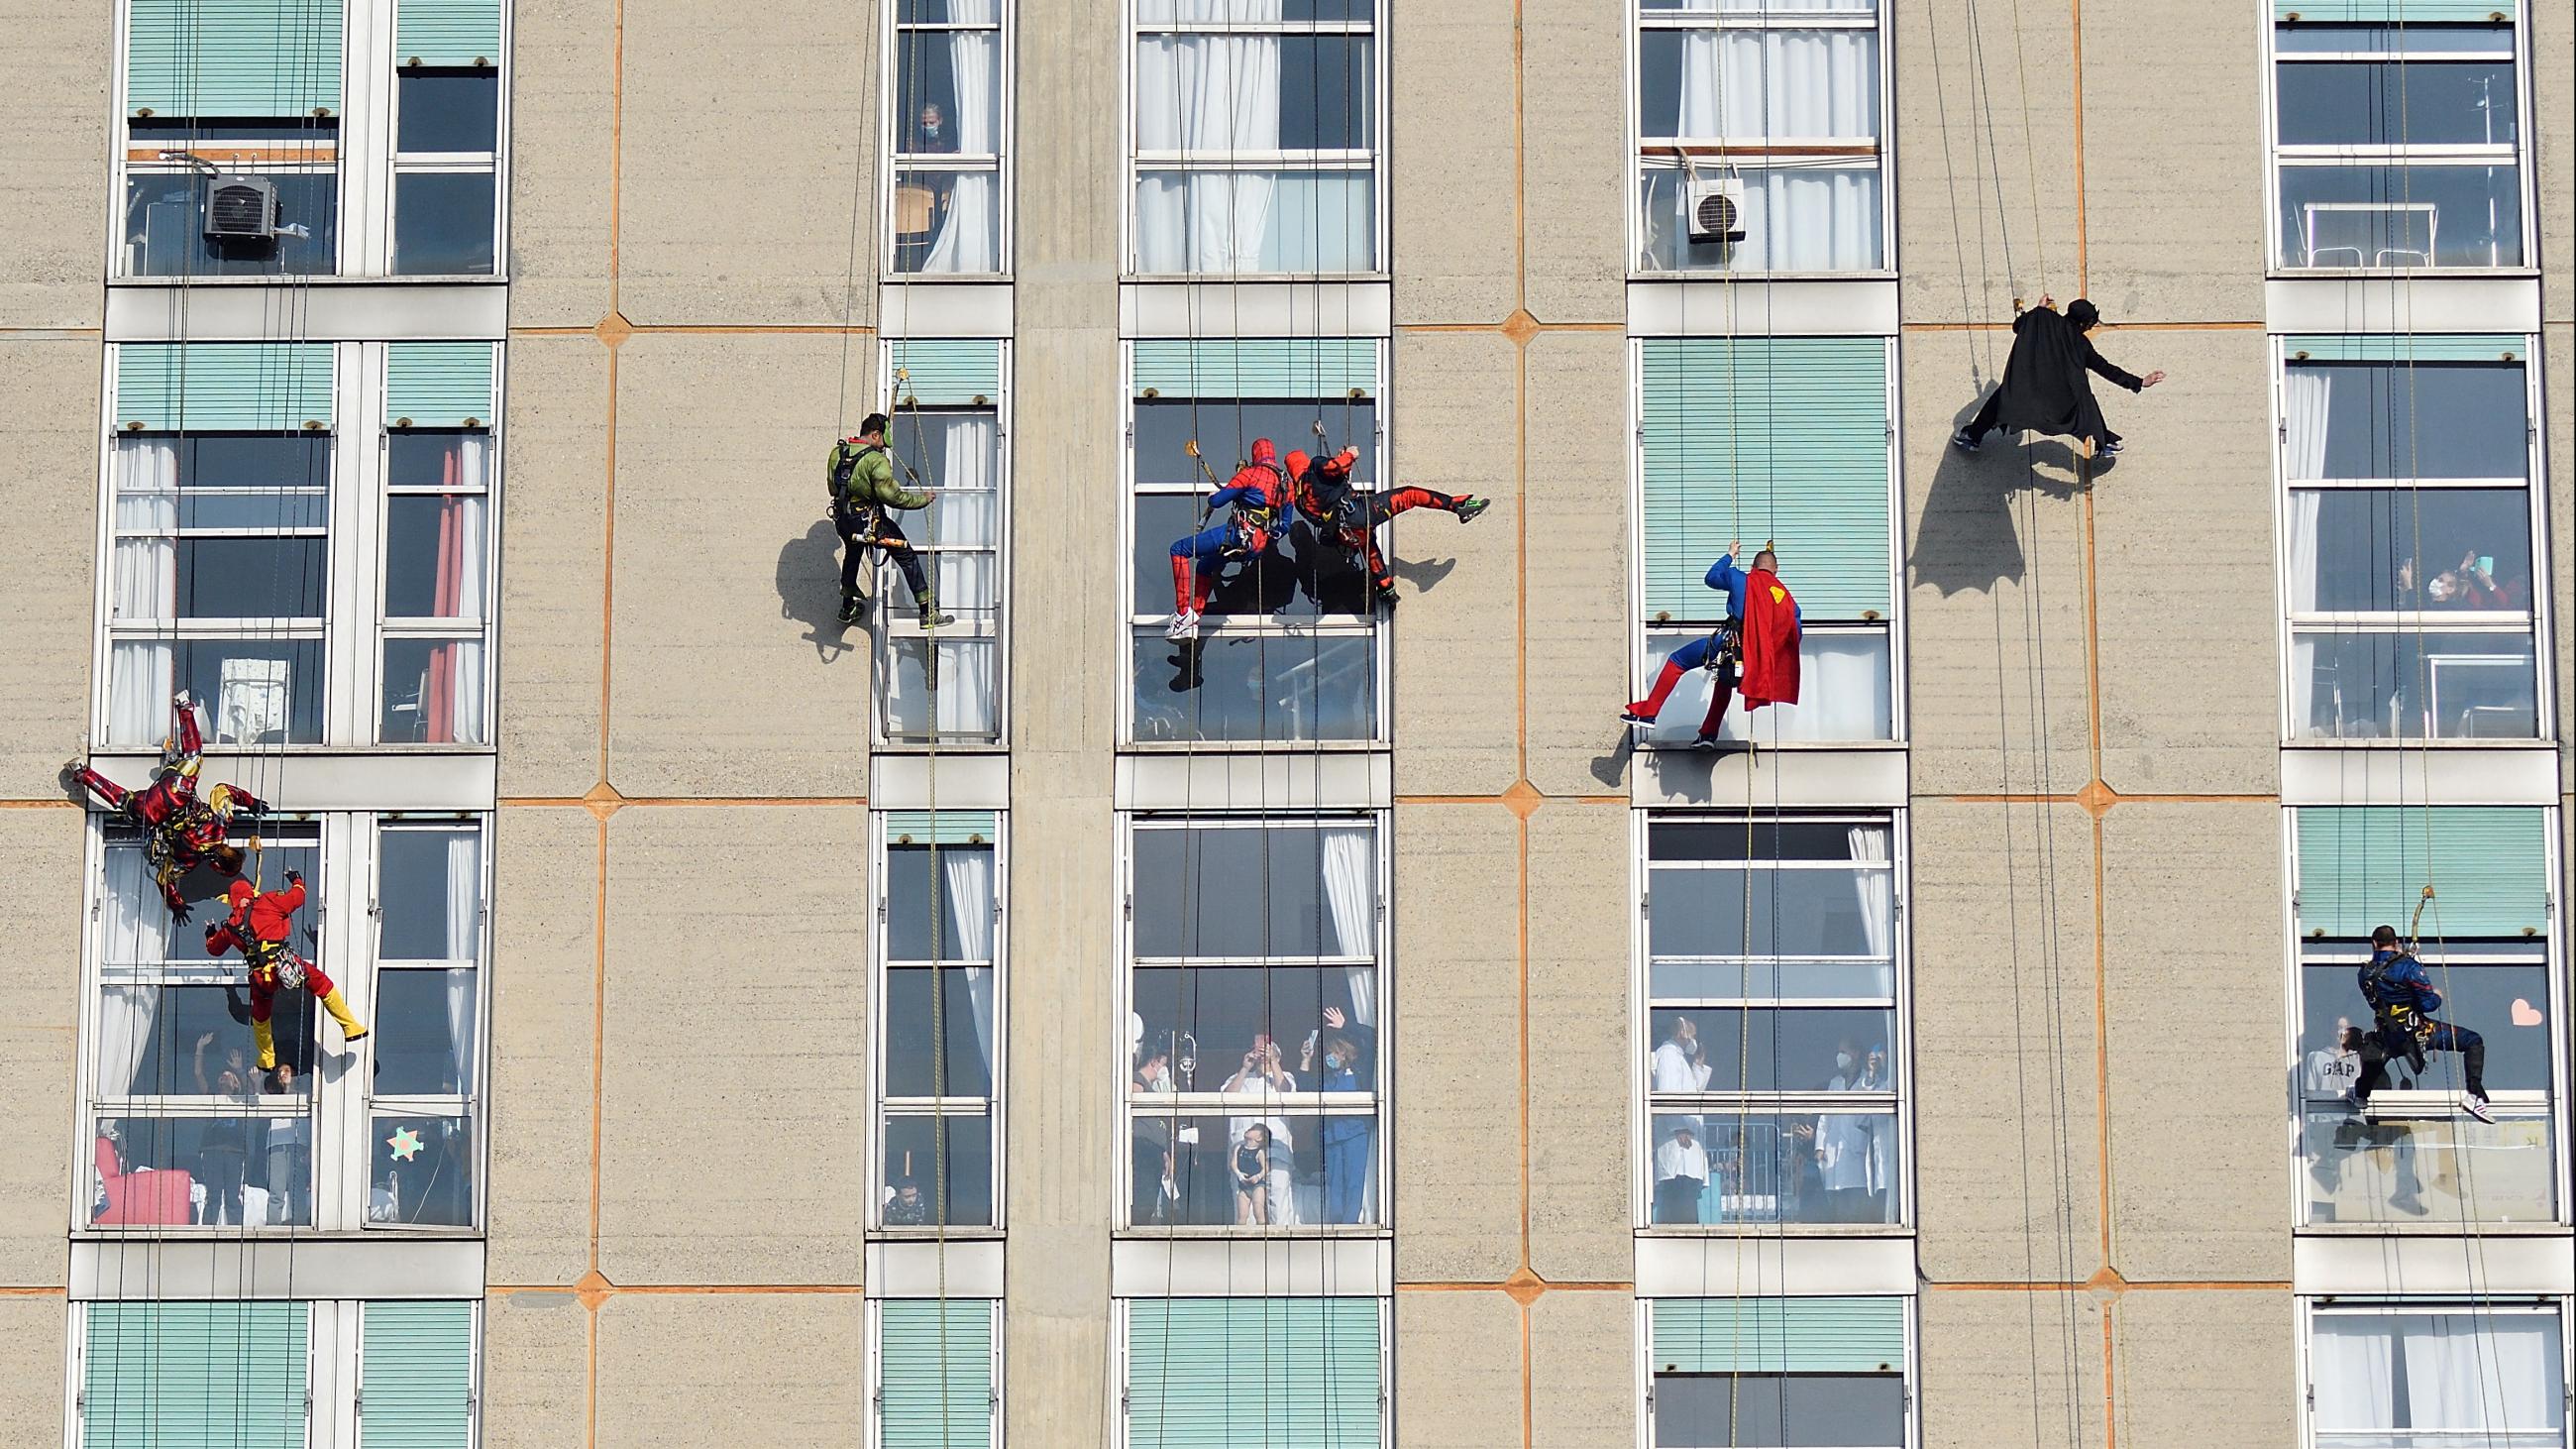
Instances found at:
x=536 y=1371
x=32 y=1343
x=545 y=1021
x=1454 y=248
x=2206 y=1368
x=1571 y=89
x=48 y=595
x=678 y=1372
x=2010 y=1367
x=42 y=850
x=55 y=126
x=1583 y=1365
x=557 y=471
x=1458 y=1365
x=1454 y=671
x=1581 y=1070
x=2164 y=142
x=563 y=164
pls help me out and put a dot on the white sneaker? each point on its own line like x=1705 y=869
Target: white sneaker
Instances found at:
x=1185 y=625
x=2476 y=1107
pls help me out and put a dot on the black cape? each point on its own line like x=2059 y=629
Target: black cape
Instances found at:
x=2044 y=387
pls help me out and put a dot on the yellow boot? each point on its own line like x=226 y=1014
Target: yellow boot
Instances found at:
x=351 y=1029
x=266 y=1035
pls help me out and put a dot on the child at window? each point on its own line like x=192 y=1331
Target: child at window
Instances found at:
x=1252 y=1177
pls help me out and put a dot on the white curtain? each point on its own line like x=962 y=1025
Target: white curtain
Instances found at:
x=144 y=585
x=2351 y=1361
x=138 y=922
x=2306 y=398
x=1876 y=888
x=963 y=514
x=125 y=1017
x=966 y=237
x=1844 y=686
x=464 y=943
x=2306 y=394
x=2493 y=1374
x=1207 y=95
x=966 y=880
x=2307 y=513
x=1350 y=898
x=1745 y=87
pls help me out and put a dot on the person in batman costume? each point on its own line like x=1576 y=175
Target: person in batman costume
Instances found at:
x=2045 y=388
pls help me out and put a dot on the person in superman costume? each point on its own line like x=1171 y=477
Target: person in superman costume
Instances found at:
x=259 y=929
x=1258 y=494
x=1754 y=649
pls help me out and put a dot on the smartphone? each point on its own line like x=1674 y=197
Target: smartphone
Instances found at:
x=2486 y=563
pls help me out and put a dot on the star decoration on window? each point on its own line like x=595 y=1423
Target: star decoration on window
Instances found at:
x=405 y=1144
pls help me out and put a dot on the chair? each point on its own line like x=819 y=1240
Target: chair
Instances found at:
x=913 y=206
x=159 y=1199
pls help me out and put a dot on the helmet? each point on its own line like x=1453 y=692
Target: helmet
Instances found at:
x=1265 y=452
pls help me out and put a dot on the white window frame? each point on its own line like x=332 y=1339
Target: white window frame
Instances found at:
x=1144 y=624
x=334 y=1369
x=354 y=628
x=2520 y=1305
x=2276 y=155
x=1378 y=1104
x=993 y=1429
x=1122 y=1330
x=2532 y=625
x=468 y=1103
x=400 y=163
x=1844 y=153
x=1141 y=160
x=881 y=1105
x=338 y=1106
x=899 y=625
x=1897 y=1104
x=996 y=163
x=1645 y=1361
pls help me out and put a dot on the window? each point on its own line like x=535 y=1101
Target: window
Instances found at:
x=1716 y=467
x=2410 y=538
x=951 y=115
x=939 y=1048
x=1759 y=121
x=447 y=122
x=232 y=139
x=2417 y=1376
x=1253 y=1011
x=1308 y=1371
x=186 y=1129
x=309 y=583
x=947 y=433
x=938 y=1374
x=1288 y=648
x=1255 y=136
x=1774 y=1059
x=1777 y=1372
x=267 y=1374
x=2411 y=1155
x=2399 y=143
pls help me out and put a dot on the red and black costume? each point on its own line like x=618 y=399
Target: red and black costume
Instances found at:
x=180 y=830
x=1258 y=495
x=1349 y=518
x=259 y=928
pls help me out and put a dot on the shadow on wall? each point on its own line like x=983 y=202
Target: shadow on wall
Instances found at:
x=1968 y=538
x=809 y=589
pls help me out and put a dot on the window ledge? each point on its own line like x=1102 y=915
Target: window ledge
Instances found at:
x=1255 y=747
x=331 y=279
x=1813 y=1232
x=2382 y=274
x=2460 y=1228
x=1707 y=275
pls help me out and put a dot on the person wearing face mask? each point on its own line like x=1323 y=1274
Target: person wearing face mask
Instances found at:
x=1849 y=1165
x=1347 y=1139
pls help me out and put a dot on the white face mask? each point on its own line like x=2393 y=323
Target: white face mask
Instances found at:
x=1843 y=1060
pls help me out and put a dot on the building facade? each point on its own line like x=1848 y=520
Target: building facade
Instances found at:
x=1010 y=1023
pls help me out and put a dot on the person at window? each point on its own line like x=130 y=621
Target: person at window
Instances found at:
x=223 y=1155
x=290 y=1156
x=1263 y=1075
x=931 y=134
x=2403 y=1028
x=865 y=498
x=259 y=928
x=907 y=1208
x=1346 y=1138
x=1681 y=1176
x=1252 y=1153
x=1849 y=1164
x=2333 y=1082
x=2044 y=388
x=1150 y=1187
x=1258 y=498
x=1348 y=519
x=1754 y=648
x=2470 y=586
x=180 y=830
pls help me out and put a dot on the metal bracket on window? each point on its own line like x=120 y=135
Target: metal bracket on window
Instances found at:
x=881 y=913
x=2284 y=429
x=1128 y=908
x=376 y=908
x=358 y=1403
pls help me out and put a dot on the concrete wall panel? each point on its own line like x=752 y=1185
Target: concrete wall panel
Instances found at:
x=1456 y=1118
x=536 y=1371
x=32 y=1343
x=544 y=1005
x=2142 y=113
x=2558 y=361
x=2192 y=914
x=40 y=849
x=563 y=162
x=55 y=121
x=672 y=1370
x=1583 y=1366
x=2010 y=1370
x=1457 y=1370
x=1576 y=532
x=1456 y=706
x=47 y=592
x=1581 y=911
x=554 y=528
x=1574 y=172
x=731 y=676
x=1453 y=221
x=2553 y=98
x=736 y=1045
x=2206 y=1370
x=719 y=222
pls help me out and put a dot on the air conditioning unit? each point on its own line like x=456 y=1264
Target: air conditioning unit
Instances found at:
x=241 y=208
x=1716 y=209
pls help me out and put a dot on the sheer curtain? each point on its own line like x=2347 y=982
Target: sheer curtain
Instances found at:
x=1350 y=897
x=2354 y=1365
x=2306 y=409
x=1876 y=888
x=145 y=585
x=966 y=237
x=1207 y=95
x=966 y=876
x=1750 y=86
x=464 y=943
x=2492 y=1376
x=138 y=939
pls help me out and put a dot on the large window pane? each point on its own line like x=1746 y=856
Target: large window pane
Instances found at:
x=2443 y=1168
x=947 y=91
x=1824 y=216
x=916 y=1164
x=1769 y=913
x=2397 y=103
x=1263 y=687
x=1680 y=981
x=420 y=1171
x=434 y=556
x=2399 y=420
x=917 y=1064
x=1318 y=883
x=1225 y=429
x=2357 y=550
x=1844 y=1411
x=1282 y=219
x=1195 y=1169
x=2391 y=685
x=962 y=891
x=424 y=1033
x=443 y=223
x=964 y=707
x=2504 y=1003
x=1761 y=1164
x=1258 y=1031
x=1211 y=94
x=1745 y=87
x=1772 y=1049
x=447 y=111
x=1847 y=688
x=1300 y=577
x=2424 y=1380
x=161 y=1041
x=165 y=219
x=947 y=219
x=237 y=1168
x=2401 y=215
x=430 y=893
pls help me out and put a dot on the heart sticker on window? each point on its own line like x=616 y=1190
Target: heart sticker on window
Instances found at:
x=2524 y=1013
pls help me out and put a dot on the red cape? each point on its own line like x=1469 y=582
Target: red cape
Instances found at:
x=1770 y=642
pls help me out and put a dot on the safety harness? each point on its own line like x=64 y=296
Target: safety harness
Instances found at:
x=862 y=518
x=2391 y=1018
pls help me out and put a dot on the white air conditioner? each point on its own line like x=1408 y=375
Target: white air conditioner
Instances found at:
x=241 y=208
x=1716 y=209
